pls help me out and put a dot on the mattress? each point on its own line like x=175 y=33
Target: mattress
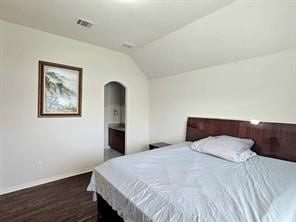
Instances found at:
x=178 y=184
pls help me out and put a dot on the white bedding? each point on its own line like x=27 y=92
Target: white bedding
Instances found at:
x=177 y=184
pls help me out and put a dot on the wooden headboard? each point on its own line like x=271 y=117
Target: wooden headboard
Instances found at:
x=277 y=140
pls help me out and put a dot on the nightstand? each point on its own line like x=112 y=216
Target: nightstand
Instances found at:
x=157 y=145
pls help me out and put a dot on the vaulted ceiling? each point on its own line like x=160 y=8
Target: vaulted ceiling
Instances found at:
x=116 y=21
x=171 y=36
x=241 y=30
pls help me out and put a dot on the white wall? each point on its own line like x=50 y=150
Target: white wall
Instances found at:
x=36 y=149
x=261 y=88
x=114 y=100
x=1 y=97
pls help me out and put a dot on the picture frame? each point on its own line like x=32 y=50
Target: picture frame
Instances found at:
x=59 y=90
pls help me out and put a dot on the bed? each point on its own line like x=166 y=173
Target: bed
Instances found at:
x=177 y=184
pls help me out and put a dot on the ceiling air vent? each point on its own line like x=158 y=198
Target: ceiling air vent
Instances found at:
x=84 y=22
x=128 y=45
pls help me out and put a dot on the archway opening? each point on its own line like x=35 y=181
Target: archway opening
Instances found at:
x=114 y=120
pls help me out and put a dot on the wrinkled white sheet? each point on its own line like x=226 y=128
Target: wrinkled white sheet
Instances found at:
x=177 y=184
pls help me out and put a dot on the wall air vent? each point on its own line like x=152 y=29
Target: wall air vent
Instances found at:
x=84 y=22
x=128 y=45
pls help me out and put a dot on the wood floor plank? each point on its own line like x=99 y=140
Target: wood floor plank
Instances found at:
x=59 y=201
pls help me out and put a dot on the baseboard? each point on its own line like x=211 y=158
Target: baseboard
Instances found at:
x=43 y=181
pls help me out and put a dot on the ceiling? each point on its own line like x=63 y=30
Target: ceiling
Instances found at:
x=116 y=21
x=241 y=30
x=171 y=36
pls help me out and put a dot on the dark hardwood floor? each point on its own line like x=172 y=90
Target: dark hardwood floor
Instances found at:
x=59 y=201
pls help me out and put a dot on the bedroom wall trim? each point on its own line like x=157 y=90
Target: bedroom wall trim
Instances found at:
x=44 y=181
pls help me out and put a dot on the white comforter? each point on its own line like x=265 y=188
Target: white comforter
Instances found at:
x=177 y=184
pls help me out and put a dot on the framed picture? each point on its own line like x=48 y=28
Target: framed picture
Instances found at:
x=60 y=89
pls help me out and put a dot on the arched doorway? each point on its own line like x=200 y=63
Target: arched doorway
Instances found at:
x=114 y=120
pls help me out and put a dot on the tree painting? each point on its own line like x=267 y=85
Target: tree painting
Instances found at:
x=60 y=90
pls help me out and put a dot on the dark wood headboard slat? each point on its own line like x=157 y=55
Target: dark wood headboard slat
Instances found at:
x=277 y=140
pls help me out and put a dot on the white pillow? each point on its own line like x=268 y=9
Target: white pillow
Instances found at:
x=226 y=147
